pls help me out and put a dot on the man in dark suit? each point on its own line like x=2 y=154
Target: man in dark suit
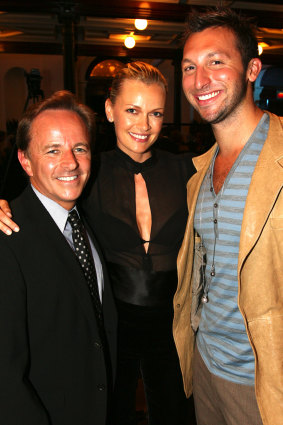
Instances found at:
x=57 y=323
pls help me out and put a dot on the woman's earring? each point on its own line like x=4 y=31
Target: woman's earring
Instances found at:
x=110 y=119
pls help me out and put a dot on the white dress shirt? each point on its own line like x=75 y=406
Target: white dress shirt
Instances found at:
x=60 y=217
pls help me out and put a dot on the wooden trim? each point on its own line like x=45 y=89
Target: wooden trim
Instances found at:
x=170 y=12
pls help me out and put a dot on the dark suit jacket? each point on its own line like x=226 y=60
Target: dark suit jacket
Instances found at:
x=52 y=365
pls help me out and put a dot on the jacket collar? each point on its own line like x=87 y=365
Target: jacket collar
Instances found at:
x=266 y=183
x=201 y=164
x=204 y=159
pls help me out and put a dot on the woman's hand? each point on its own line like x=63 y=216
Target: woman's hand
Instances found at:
x=6 y=224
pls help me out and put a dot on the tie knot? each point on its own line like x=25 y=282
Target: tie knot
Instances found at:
x=74 y=220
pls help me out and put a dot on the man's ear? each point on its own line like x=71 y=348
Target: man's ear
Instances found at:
x=109 y=110
x=254 y=68
x=25 y=162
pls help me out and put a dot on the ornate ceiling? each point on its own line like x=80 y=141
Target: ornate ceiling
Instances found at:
x=100 y=26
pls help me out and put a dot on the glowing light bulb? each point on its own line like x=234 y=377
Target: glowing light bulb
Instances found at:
x=261 y=46
x=140 y=24
x=129 y=42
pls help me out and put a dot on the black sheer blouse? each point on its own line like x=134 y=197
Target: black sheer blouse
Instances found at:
x=110 y=207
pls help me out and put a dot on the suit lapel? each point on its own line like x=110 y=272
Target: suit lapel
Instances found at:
x=106 y=293
x=56 y=246
x=201 y=163
x=266 y=183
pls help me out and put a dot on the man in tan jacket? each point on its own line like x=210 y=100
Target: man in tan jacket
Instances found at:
x=228 y=324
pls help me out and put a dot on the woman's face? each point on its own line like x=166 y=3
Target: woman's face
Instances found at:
x=137 y=115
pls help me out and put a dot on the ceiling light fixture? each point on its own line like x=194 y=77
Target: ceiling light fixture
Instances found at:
x=9 y=33
x=261 y=45
x=137 y=37
x=140 y=24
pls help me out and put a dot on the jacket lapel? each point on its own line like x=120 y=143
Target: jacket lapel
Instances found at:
x=265 y=186
x=97 y=247
x=266 y=182
x=57 y=250
x=201 y=164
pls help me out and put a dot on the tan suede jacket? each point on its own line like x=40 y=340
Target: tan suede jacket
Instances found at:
x=260 y=274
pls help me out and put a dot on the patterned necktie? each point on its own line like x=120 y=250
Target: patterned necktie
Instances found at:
x=84 y=255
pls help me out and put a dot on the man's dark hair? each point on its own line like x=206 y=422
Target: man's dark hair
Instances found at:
x=242 y=28
x=60 y=100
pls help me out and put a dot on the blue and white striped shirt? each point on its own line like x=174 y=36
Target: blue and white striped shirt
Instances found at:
x=222 y=339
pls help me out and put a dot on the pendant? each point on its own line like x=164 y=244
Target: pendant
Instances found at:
x=204 y=299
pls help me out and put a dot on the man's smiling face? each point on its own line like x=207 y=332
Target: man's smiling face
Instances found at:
x=214 y=79
x=58 y=158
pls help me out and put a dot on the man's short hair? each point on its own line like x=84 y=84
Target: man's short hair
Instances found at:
x=243 y=29
x=60 y=100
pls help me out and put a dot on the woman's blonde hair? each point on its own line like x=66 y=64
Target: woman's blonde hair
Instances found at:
x=140 y=71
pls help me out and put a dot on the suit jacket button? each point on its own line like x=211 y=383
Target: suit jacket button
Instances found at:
x=101 y=387
x=97 y=344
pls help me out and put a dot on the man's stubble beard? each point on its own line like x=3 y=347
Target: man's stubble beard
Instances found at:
x=230 y=108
